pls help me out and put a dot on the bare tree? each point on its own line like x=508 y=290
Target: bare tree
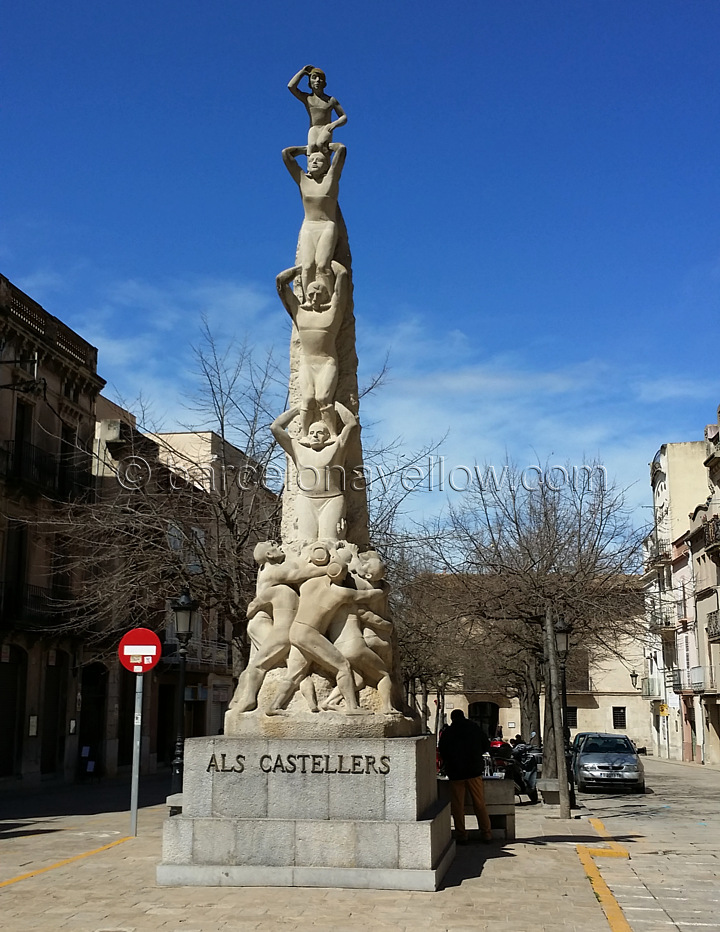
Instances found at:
x=516 y=551
x=176 y=510
x=183 y=509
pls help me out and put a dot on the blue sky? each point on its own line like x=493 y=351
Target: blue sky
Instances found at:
x=532 y=195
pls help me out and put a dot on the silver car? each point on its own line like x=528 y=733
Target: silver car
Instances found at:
x=603 y=760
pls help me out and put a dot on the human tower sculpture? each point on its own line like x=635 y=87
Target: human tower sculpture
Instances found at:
x=320 y=617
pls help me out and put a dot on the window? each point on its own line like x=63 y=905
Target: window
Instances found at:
x=619 y=717
x=572 y=716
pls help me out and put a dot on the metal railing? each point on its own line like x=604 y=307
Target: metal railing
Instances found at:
x=702 y=679
x=713 y=624
x=662 y=617
x=34 y=317
x=652 y=687
x=698 y=679
x=34 y=468
x=712 y=533
x=29 y=465
x=23 y=604
x=680 y=679
x=658 y=548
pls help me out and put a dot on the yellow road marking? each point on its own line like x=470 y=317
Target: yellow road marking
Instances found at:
x=613 y=912
x=77 y=857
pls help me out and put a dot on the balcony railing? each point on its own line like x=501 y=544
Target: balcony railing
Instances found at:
x=713 y=625
x=652 y=687
x=702 y=679
x=54 y=332
x=712 y=534
x=25 y=605
x=697 y=679
x=33 y=468
x=659 y=549
x=205 y=652
x=663 y=617
x=680 y=679
x=29 y=465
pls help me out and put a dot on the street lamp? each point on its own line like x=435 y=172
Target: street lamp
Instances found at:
x=184 y=609
x=562 y=643
x=634 y=678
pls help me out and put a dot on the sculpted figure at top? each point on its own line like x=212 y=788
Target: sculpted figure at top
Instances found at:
x=319 y=188
x=317 y=319
x=319 y=106
x=320 y=464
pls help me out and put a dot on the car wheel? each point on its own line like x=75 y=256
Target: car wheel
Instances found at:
x=639 y=789
x=581 y=787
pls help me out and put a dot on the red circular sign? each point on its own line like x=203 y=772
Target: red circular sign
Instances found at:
x=140 y=650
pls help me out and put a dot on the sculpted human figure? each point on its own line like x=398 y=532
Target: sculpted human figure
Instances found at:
x=319 y=192
x=320 y=464
x=319 y=106
x=275 y=596
x=317 y=319
x=320 y=601
x=371 y=657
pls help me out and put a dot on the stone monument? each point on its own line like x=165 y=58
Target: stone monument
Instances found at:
x=322 y=776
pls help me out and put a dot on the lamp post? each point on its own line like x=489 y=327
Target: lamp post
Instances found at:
x=184 y=609
x=562 y=642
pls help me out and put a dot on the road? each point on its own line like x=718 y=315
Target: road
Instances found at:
x=672 y=879
x=67 y=865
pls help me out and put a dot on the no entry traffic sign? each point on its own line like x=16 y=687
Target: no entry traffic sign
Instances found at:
x=139 y=650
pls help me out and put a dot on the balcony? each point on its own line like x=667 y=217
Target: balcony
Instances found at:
x=23 y=606
x=702 y=679
x=206 y=653
x=49 y=330
x=652 y=687
x=712 y=535
x=659 y=549
x=37 y=470
x=680 y=680
x=662 y=618
x=713 y=625
x=697 y=679
x=29 y=466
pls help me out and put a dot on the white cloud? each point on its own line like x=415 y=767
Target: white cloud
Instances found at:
x=440 y=382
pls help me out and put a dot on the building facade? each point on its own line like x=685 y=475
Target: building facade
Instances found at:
x=48 y=390
x=682 y=566
x=68 y=704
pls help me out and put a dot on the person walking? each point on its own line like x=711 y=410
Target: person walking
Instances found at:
x=462 y=745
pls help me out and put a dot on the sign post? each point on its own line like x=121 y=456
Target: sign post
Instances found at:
x=139 y=652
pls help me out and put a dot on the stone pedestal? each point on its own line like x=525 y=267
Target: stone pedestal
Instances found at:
x=358 y=812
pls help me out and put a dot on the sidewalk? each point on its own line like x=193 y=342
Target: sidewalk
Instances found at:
x=535 y=883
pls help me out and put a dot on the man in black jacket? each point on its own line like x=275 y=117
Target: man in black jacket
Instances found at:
x=462 y=745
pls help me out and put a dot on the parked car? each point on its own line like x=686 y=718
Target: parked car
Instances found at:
x=602 y=760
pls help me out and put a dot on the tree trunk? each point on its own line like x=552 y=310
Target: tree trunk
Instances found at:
x=425 y=710
x=529 y=699
x=440 y=714
x=548 y=735
x=554 y=677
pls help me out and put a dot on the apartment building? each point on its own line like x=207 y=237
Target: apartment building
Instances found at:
x=681 y=579
x=65 y=599
x=48 y=390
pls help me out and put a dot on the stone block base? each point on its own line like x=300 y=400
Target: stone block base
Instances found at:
x=361 y=814
x=307 y=853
